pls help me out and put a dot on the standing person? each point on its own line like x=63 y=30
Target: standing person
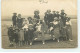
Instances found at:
x=30 y=20
x=69 y=29
x=14 y=19
x=63 y=16
x=49 y=18
x=16 y=33
x=61 y=25
x=53 y=14
x=19 y=21
x=56 y=28
x=10 y=35
x=44 y=29
x=26 y=36
x=36 y=15
x=21 y=37
x=30 y=34
x=45 y=17
x=57 y=14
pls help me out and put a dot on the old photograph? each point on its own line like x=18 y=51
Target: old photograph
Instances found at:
x=39 y=24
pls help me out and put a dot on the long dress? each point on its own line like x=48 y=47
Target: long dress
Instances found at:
x=21 y=35
x=56 y=29
x=69 y=30
x=25 y=36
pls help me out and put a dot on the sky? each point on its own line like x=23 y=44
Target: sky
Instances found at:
x=27 y=7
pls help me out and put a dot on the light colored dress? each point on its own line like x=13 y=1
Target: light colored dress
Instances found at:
x=21 y=35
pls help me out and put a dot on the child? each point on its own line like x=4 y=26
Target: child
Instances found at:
x=30 y=34
x=16 y=33
x=10 y=35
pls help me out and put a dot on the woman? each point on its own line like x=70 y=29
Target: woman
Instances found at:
x=36 y=14
x=30 y=20
x=19 y=21
x=56 y=28
x=25 y=36
x=68 y=30
x=21 y=37
x=44 y=29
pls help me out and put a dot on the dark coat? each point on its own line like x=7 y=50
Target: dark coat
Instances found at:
x=14 y=19
x=49 y=18
x=19 y=23
x=16 y=34
x=10 y=34
x=53 y=16
x=57 y=15
x=30 y=34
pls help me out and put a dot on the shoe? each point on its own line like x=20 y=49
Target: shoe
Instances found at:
x=31 y=43
x=53 y=38
x=35 y=38
x=57 y=40
x=70 y=40
x=43 y=43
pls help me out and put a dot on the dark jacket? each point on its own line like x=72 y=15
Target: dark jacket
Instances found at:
x=14 y=18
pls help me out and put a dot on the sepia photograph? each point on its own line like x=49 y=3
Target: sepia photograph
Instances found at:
x=39 y=24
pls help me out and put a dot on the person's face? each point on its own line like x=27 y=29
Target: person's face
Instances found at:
x=19 y=16
x=57 y=12
x=62 y=11
x=54 y=12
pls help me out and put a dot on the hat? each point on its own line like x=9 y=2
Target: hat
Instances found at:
x=14 y=13
x=57 y=11
x=54 y=11
x=62 y=10
x=36 y=12
x=48 y=10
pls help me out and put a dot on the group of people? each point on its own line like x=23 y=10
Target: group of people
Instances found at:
x=25 y=30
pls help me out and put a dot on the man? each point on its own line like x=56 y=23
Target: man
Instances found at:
x=14 y=19
x=49 y=17
x=57 y=14
x=54 y=14
x=63 y=16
